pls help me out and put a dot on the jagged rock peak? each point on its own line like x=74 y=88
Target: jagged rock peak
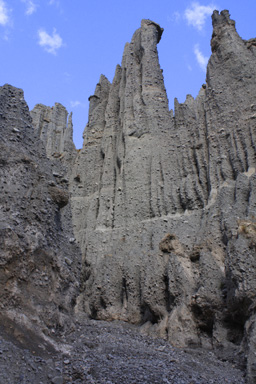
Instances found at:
x=145 y=38
x=145 y=23
x=221 y=22
x=55 y=128
x=101 y=85
x=221 y=18
x=94 y=128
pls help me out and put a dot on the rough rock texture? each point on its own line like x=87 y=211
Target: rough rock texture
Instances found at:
x=164 y=207
x=100 y=352
x=39 y=277
x=54 y=130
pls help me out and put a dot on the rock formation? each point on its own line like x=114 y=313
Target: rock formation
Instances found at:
x=39 y=276
x=54 y=130
x=163 y=205
x=144 y=177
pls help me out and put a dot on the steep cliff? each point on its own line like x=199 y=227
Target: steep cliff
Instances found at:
x=164 y=206
x=39 y=275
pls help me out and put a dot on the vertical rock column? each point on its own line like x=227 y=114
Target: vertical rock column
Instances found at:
x=230 y=102
x=55 y=129
x=122 y=175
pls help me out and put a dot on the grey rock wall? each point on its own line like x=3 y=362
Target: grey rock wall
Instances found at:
x=55 y=128
x=39 y=262
x=164 y=206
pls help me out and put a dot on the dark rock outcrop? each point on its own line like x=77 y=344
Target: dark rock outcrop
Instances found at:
x=39 y=276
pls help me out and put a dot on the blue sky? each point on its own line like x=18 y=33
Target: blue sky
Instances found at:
x=55 y=50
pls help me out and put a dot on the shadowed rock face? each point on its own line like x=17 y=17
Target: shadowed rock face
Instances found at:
x=39 y=276
x=164 y=207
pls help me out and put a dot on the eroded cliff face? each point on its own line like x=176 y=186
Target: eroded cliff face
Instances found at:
x=164 y=206
x=55 y=128
x=39 y=274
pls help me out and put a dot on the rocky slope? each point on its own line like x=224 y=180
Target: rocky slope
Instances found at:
x=99 y=352
x=163 y=205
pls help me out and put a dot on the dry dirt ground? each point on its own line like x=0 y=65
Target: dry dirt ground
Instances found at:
x=108 y=353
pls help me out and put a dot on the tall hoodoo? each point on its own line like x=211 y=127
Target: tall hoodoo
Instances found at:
x=164 y=207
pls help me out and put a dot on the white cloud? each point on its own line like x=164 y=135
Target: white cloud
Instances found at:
x=77 y=103
x=201 y=59
x=50 y=43
x=4 y=14
x=31 y=7
x=57 y=5
x=196 y=15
